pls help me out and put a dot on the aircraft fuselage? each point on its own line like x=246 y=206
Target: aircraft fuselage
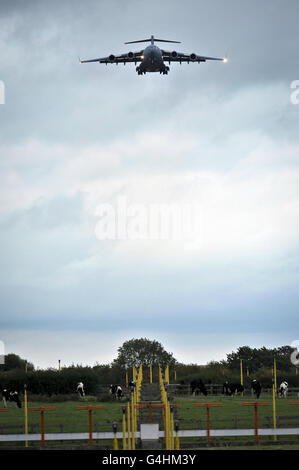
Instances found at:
x=152 y=61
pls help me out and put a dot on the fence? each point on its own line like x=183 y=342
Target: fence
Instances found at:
x=119 y=435
x=217 y=389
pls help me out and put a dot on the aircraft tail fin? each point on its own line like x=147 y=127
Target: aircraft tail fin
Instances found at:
x=152 y=39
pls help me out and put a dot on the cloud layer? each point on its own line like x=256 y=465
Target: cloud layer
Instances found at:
x=221 y=137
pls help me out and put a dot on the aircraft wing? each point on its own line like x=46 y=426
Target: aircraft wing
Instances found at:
x=173 y=56
x=117 y=59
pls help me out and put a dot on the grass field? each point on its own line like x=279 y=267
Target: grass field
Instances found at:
x=66 y=418
x=232 y=414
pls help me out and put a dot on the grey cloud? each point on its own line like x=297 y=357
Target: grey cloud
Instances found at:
x=65 y=101
x=74 y=135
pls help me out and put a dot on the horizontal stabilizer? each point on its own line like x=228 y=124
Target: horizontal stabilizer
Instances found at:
x=152 y=39
x=167 y=40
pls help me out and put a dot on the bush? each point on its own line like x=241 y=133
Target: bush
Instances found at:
x=56 y=398
x=104 y=397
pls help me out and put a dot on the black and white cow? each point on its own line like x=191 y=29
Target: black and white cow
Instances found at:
x=80 y=389
x=116 y=391
x=197 y=386
x=256 y=387
x=10 y=395
x=283 y=389
x=232 y=389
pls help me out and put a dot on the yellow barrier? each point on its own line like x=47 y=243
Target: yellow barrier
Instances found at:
x=26 y=412
x=168 y=411
x=274 y=408
x=124 y=428
x=132 y=406
x=129 y=426
x=115 y=442
x=177 y=440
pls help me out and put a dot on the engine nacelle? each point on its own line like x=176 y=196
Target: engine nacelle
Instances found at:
x=112 y=58
x=174 y=54
x=131 y=55
x=193 y=56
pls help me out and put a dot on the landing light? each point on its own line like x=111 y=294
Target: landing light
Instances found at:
x=142 y=57
x=225 y=60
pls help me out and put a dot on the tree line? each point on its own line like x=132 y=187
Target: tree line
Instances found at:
x=257 y=363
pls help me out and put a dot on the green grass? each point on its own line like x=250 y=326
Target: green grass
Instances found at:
x=233 y=412
x=66 y=418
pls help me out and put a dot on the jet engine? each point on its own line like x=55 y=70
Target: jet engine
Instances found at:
x=193 y=56
x=112 y=58
x=174 y=54
x=131 y=55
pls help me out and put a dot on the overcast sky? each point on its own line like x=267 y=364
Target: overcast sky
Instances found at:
x=220 y=138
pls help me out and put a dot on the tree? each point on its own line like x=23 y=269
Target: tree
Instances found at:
x=256 y=359
x=13 y=361
x=143 y=351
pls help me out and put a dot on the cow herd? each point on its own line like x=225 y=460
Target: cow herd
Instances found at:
x=233 y=389
x=196 y=387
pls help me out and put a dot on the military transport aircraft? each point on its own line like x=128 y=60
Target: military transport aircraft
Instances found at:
x=152 y=58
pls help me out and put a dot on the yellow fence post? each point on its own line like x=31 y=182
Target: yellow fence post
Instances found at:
x=129 y=426
x=133 y=421
x=167 y=411
x=275 y=376
x=171 y=427
x=274 y=408
x=241 y=373
x=167 y=374
x=177 y=440
x=124 y=428
x=26 y=412
x=115 y=442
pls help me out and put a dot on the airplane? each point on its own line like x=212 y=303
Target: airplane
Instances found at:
x=152 y=58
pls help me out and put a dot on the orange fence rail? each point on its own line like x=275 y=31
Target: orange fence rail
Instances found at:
x=256 y=404
x=90 y=408
x=208 y=406
x=42 y=409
